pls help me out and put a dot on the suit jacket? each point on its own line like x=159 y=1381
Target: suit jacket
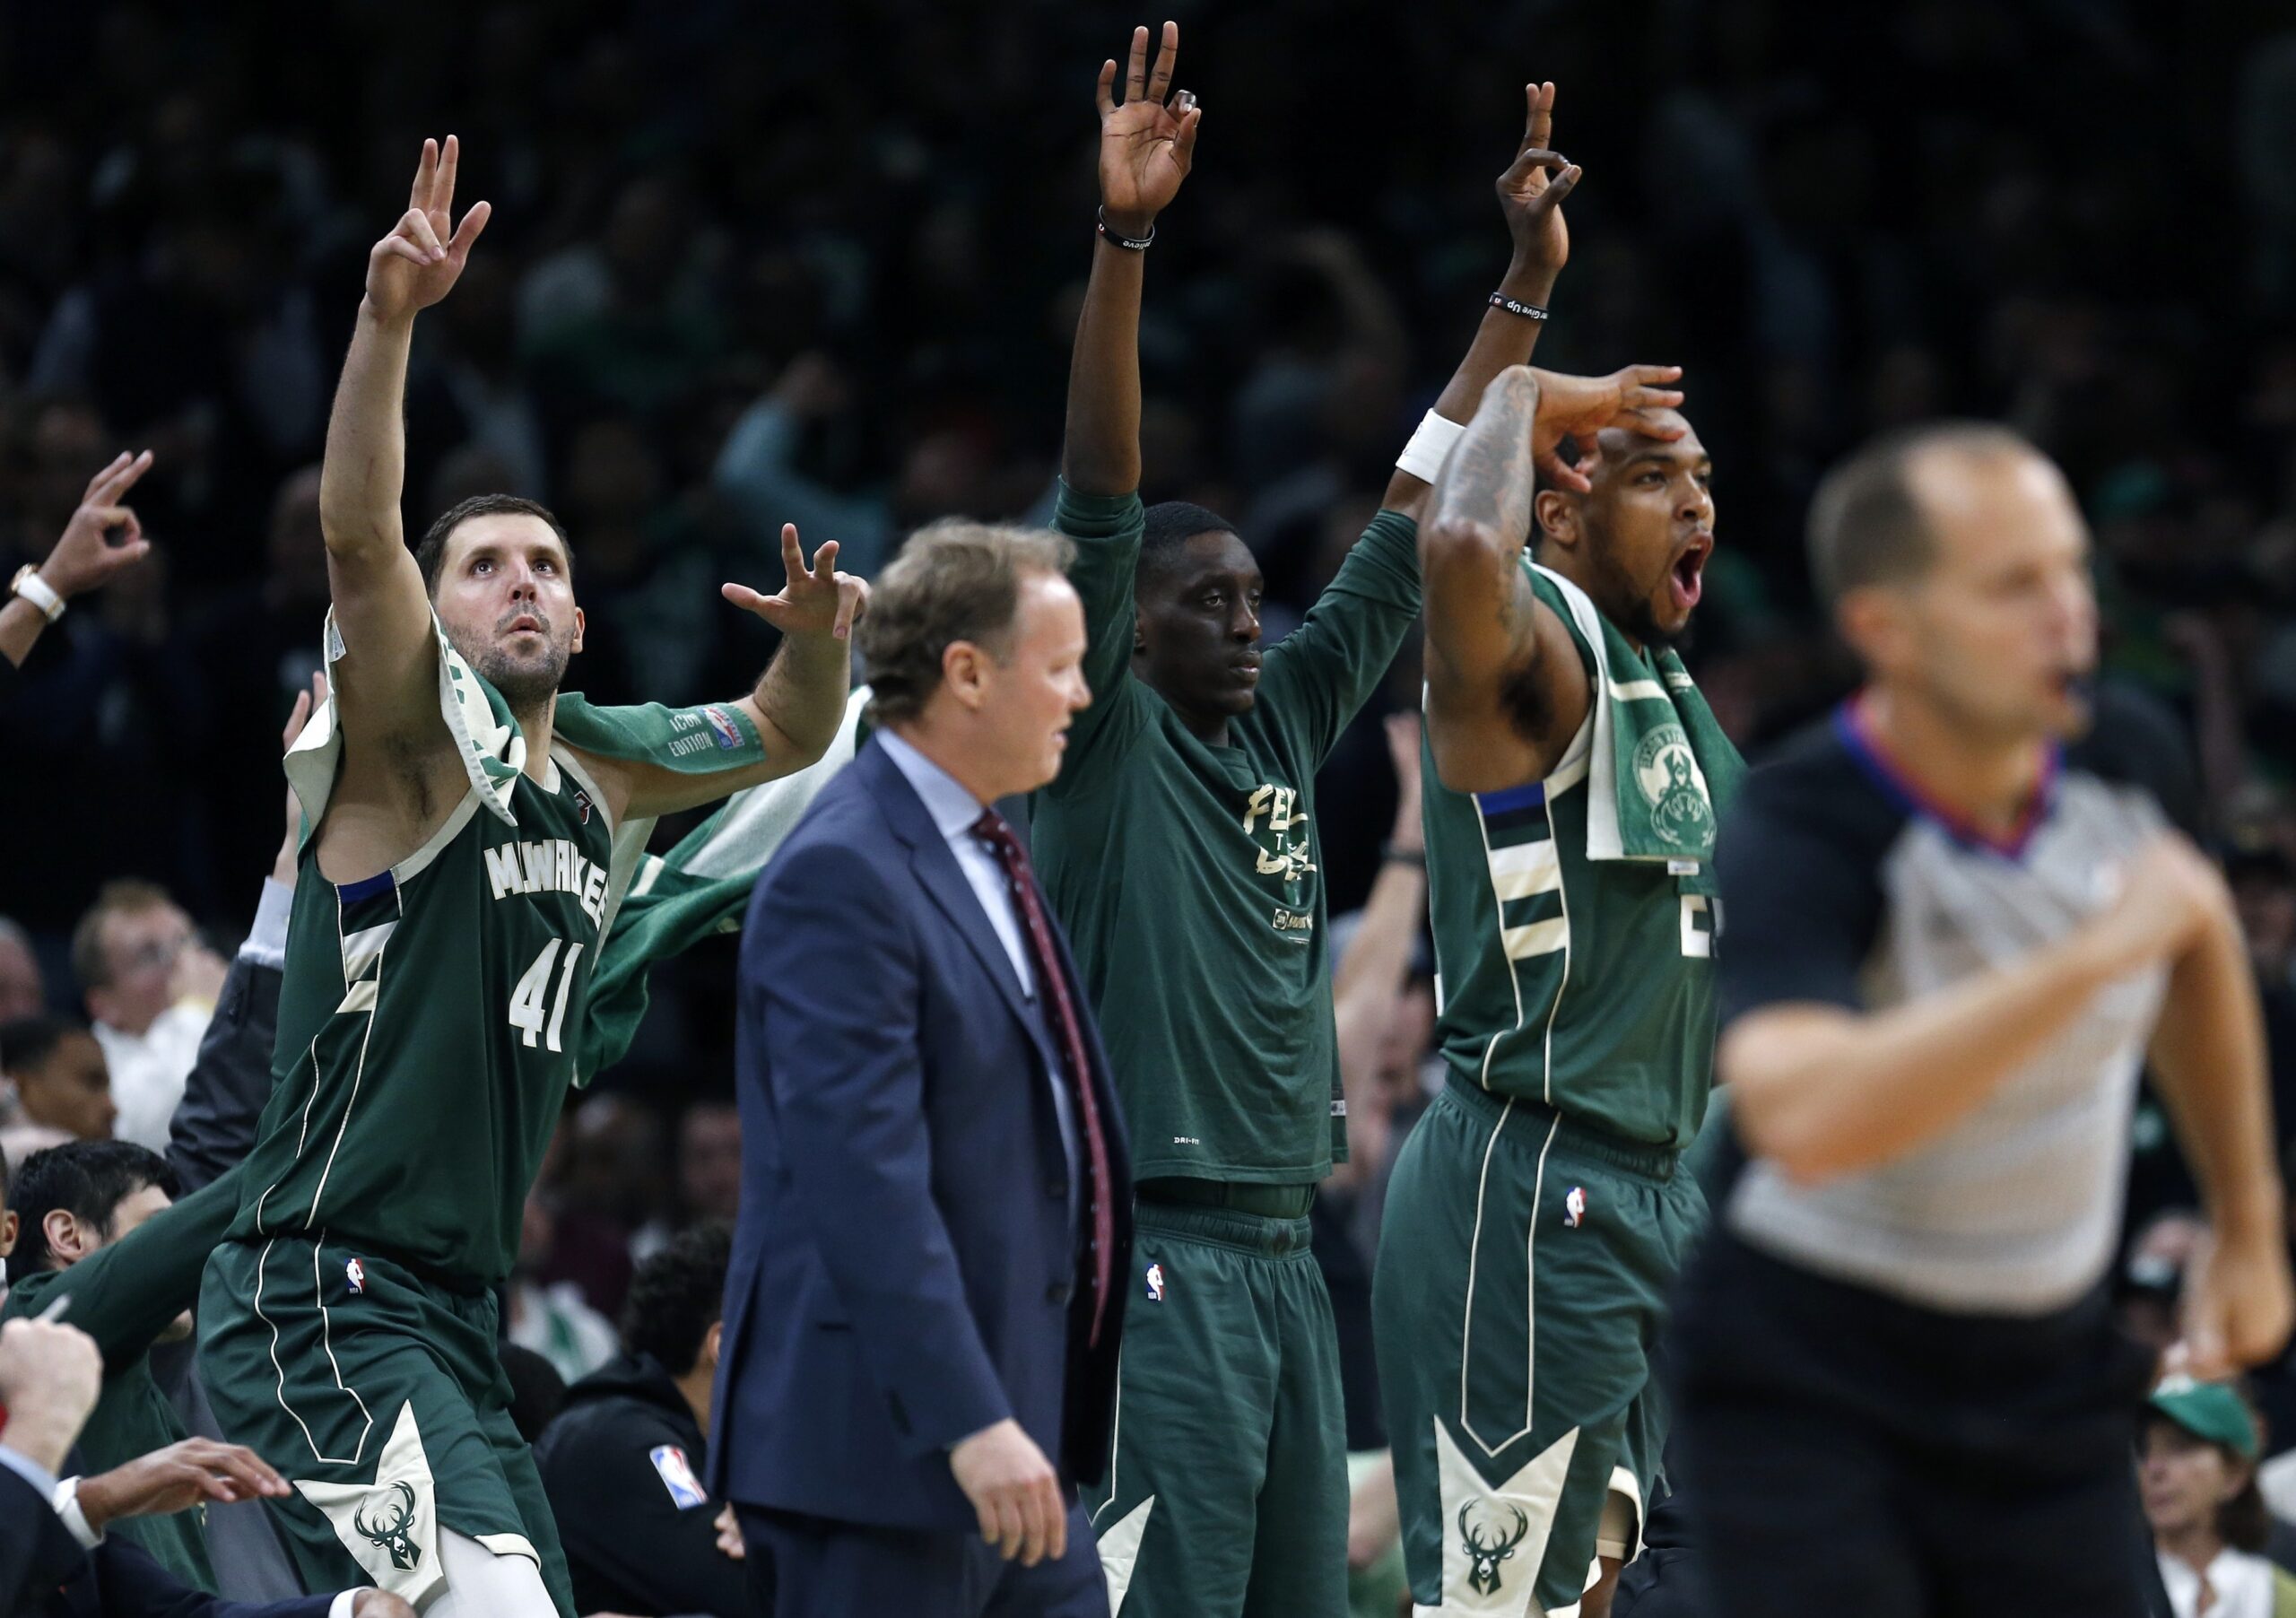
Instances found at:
x=43 y=1571
x=905 y=1271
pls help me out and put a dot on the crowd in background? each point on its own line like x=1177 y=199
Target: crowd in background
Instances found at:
x=822 y=265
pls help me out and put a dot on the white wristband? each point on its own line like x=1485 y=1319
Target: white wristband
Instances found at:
x=1429 y=447
x=37 y=590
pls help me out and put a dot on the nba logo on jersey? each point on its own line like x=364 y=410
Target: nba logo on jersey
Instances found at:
x=1574 y=1206
x=1155 y=1283
x=721 y=724
x=355 y=1274
x=677 y=1476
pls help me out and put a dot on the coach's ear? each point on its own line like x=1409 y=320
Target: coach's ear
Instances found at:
x=710 y=1342
x=7 y=1232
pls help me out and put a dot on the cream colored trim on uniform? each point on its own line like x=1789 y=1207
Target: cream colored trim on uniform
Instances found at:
x=1530 y=942
x=1513 y=1520
x=1474 y=1245
x=1554 y=1008
x=1526 y=869
x=417 y=862
x=1120 y=1550
x=1116 y=1434
x=1627 y=1488
x=390 y=1526
x=360 y=998
x=1636 y=690
x=509 y=1544
x=262 y=1262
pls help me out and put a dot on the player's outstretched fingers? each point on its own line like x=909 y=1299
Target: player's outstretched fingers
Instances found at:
x=1168 y=56
x=1136 y=66
x=466 y=234
x=243 y=1466
x=442 y=184
x=425 y=172
x=1538 y=126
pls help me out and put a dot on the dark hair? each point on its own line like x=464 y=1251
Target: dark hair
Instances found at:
x=88 y=1180
x=676 y=1296
x=28 y=1041
x=1866 y=524
x=432 y=554
x=538 y=1392
x=1169 y=524
x=955 y=580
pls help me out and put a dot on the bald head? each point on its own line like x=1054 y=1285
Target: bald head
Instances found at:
x=1877 y=516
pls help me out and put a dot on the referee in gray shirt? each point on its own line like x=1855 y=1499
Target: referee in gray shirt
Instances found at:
x=1944 y=957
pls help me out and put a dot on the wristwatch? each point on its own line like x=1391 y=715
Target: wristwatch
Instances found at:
x=33 y=587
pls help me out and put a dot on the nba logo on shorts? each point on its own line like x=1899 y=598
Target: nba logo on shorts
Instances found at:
x=1574 y=1206
x=721 y=724
x=355 y=1274
x=1155 y=1283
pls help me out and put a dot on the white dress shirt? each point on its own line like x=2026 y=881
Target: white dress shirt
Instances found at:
x=148 y=1070
x=955 y=812
x=2240 y=1583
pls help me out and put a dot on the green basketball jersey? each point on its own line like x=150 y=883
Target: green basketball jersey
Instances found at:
x=1585 y=985
x=427 y=1026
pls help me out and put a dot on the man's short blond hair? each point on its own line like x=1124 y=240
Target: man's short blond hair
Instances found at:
x=127 y=896
x=955 y=580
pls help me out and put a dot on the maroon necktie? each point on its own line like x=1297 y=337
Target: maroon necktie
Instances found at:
x=992 y=828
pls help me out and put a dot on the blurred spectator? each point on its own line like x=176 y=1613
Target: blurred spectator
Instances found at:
x=2198 y=1477
x=622 y=1462
x=709 y=1162
x=552 y=1319
x=62 y=1091
x=22 y=994
x=151 y=986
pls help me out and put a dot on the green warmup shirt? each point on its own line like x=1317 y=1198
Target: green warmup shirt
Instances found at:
x=1586 y=986
x=427 y=1026
x=126 y=1295
x=1187 y=875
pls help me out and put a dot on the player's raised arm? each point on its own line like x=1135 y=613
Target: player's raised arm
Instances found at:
x=1530 y=197
x=380 y=608
x=798 y=703
x=1147 y=146
x=1505 y=688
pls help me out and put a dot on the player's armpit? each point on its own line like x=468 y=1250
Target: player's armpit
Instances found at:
x=385 y=676
x=1506 y=690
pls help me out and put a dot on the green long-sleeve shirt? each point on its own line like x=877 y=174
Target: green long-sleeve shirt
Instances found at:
x=126 y=1295
x=1188 y=877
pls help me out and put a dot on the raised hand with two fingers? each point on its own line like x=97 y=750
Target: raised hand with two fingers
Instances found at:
x=423 y=258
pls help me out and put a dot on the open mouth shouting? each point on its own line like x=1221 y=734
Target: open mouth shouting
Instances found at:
x=1686 y=581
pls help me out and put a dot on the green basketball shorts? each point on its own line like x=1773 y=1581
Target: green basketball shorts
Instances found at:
x=1523 y=1271
x=1227 y=1489
x=380 y=1398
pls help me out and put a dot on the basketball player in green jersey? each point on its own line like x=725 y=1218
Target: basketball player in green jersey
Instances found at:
x=1536 y=1215
x=455 y=884
x=1179 y=848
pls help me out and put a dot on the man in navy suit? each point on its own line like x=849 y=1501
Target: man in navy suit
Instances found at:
x=922 y=1308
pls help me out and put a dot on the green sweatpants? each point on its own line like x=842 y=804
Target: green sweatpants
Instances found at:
x=1227 y=1489
x=1524 y=1267
x=381 y=1399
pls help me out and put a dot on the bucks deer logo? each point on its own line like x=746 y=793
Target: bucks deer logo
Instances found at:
x=1486 y=1554
x=390 y=1530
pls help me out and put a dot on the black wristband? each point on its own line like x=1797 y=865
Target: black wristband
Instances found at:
x=1395 y=855
x=1515 y=305
x=1130 y=244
